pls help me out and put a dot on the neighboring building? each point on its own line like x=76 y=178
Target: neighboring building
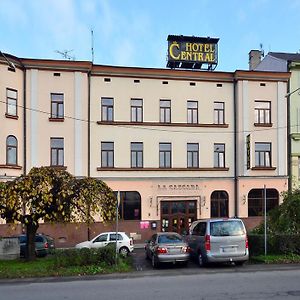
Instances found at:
x=179 y=145
x=283 y=62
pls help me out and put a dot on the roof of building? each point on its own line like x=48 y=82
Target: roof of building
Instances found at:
x=286 y=56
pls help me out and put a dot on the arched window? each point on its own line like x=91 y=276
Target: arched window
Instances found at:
x=256 y=201
x=130 y=205
x=11 y=150
x=219 y=204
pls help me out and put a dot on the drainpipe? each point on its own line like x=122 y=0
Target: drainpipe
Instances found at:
x=25 y=123
x=288 y=130
x=235 y=148
x=89 y=123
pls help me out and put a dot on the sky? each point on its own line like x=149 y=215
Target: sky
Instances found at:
x=134 y=32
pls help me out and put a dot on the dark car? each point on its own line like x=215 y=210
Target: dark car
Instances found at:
x=44 y=245
x=166 y=247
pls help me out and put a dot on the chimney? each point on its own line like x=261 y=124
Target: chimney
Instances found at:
x=254 y=59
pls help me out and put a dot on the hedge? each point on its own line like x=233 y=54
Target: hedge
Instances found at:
x=276 y=244
x=84 y=257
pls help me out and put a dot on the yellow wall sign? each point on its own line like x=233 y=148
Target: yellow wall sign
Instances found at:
x=191 y=51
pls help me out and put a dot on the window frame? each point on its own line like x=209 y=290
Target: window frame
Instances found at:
x=106 y=109
x=163 y=163
x=195 y=161
x=138 y=154
x=136 y=111
x=218 y=156
x=15 y=148
x=191 y=119
x=261 y=119
x=107 y=152
x=217 y=199
x=57 y=104
x=58 y=152
x=263 y=158
x=164 y=111
x=219 y=113
x=11 y=105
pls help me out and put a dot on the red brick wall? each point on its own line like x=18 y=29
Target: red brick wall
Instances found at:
x=68 y=235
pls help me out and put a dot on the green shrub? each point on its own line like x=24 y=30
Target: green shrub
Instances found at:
x=84 y=257
x=276 y=244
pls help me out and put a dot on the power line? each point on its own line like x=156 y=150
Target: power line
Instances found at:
x=133 y=126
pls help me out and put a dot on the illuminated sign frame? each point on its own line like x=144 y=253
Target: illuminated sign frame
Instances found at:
x=189 y=52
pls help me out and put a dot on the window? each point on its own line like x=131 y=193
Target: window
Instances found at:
x=130 y=205
x=165 y=155
x=57 y=151
x=219 y=204
x=219 y=155
x=262 y=112
x=136 y=110
x=57 y=106
x=11 y=150
x=193 y=155
x=136 y=155
x=165 y=111
x=256 y=200
x=107 y=154
x=11 y=102
x=192 y=112
x=200 y=229
x=107 y=109
x=219 y=113
x=112 y=237
x=263 y=154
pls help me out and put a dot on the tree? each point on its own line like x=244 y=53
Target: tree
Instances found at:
x=53 y=195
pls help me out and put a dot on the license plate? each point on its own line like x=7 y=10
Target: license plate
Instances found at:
x=228 y=249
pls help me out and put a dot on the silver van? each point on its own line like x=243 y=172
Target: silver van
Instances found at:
x=218 y=241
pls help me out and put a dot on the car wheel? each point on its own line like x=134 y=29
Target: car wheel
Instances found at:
x=201 y=260
x=154 y=262
x=124 y=251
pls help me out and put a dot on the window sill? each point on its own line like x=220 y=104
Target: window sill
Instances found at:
x=15 y=167
x=162 y=124
x=11 y=116
x=263 y=124
x=58 y=167
x=162 y=169
x=56 y=119
x=263 y=168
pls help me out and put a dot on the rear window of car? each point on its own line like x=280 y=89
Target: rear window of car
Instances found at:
x=23 y=239
x=227 y=228
x=169 y=238
x=39 y=239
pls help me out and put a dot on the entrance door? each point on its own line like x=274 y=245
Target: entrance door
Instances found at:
x=177 y=216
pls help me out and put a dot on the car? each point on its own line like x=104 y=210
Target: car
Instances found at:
x=218 y=241
x=125 y=243
x=164 y=247
x=44 y=245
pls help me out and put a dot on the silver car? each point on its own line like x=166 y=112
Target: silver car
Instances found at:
x=166 y=247
x=218 y=241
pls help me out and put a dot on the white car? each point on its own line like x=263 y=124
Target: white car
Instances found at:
x=125 y=243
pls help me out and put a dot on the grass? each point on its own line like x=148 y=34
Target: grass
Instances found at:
x=276 y=259
x=45 y=267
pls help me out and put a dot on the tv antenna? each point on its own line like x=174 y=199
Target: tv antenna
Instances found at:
x=65 y=54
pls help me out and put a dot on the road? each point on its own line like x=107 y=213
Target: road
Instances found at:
x=257 y=282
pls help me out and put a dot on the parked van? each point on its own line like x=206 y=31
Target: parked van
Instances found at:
x=218 y=241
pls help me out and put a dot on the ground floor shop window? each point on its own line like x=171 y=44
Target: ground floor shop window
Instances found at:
x=219 y=204
x=256 y=201
x=130 y=205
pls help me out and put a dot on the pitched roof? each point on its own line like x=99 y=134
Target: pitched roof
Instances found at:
x=286 y=56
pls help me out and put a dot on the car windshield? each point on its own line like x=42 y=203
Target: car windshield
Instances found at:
x=226 y=228
x=169 y=238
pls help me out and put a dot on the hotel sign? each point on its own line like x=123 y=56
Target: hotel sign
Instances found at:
x=248 y=143
x=192 y=52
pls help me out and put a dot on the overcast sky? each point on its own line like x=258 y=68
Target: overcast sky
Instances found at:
x=134 y=32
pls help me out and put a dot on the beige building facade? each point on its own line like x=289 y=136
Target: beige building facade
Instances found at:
x=179 y=145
